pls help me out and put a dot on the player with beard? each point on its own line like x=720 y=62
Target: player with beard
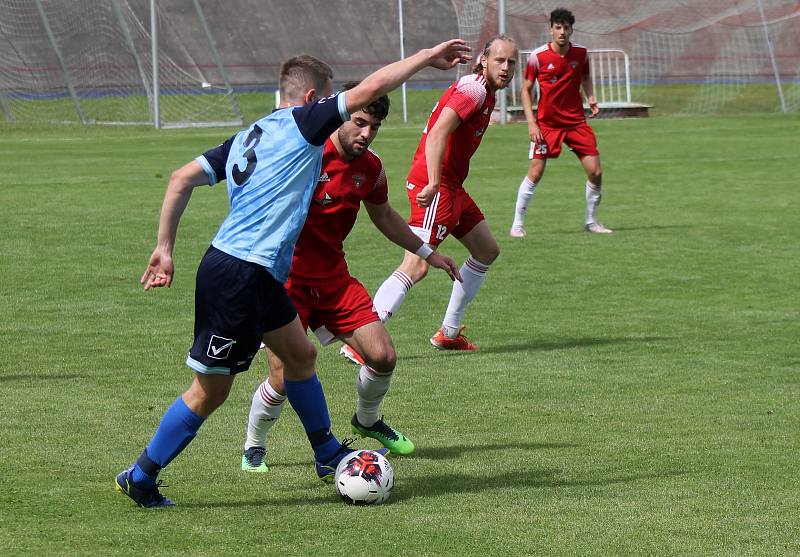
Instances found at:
x=272 y=169
x=439 y=204
x=327 y=298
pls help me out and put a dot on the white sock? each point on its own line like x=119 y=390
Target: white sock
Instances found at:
x=391 y=294
x=371 y=387
x=593 y=196
x=264 y=411
x=524 y=196
x=473 y=273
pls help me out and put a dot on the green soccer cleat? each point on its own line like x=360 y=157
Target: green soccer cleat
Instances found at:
x=396 y=442
x=253 y=460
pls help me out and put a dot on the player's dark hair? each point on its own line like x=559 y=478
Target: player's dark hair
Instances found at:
x=561 y=15
x=379 y=108
x=488 y=47
x=301 y=73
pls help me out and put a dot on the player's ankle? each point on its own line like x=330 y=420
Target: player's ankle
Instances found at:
x=450 y=332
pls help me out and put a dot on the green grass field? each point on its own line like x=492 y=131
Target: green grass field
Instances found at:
x=635 y=394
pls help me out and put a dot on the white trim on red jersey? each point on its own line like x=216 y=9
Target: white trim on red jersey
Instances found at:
x=474 y=86
x=381 y=178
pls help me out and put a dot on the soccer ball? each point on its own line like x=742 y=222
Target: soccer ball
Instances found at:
x=364 y=478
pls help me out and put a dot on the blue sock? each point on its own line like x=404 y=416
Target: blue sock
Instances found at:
x=178 y=427
x=308 y=400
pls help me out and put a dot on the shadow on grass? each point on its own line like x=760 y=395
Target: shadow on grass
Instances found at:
x=436 y=485
x=454 y=451
x=545 y=346
x=581 y=231
x=39 y=377
x=539 y=346
x=652 y=227
x=439 y=484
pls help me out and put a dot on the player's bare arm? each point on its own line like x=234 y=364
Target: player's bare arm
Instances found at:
x=396 y=229
x=160 y=268
x=588 y=89
x=435 y=145
x=442 y=56
x=527 y=107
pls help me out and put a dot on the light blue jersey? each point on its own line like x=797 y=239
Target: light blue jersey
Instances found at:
x=272 y=169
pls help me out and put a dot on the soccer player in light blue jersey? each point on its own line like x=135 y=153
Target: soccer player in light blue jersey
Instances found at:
x=271 y=170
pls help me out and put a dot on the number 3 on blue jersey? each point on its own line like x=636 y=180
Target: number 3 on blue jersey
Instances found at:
x=250 y=154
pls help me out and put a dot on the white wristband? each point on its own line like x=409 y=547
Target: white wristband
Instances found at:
x=424 y=251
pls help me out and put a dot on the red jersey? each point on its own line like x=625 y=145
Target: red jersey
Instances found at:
x=560 y=101
x=342 y=186
x=473 y=102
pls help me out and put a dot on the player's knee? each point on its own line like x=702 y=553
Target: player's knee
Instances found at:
x=308 y=356
x=535 y=170
x=488 y=254
x=383 y=359
x=299 y=364
x=493 y=255
x=204 y=397
x=535 y=174
x=595 y=176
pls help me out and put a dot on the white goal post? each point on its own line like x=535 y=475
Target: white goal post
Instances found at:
x=112 y=62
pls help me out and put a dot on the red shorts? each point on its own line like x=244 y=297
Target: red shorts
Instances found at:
x=580 y=139
x=333 y=309
x=452 y=212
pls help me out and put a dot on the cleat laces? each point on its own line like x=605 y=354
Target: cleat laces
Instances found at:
x=346 y=442
x=255 y=455
x=382 y=428
x=155 y=495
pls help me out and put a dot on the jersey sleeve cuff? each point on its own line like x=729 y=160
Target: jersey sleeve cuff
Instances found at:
x=212 y=176
x=342 y=105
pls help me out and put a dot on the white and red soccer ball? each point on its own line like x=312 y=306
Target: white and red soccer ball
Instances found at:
x=364 y=478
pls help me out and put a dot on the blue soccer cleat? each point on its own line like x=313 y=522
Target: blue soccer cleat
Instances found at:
x=327 y=470
x=147 y=498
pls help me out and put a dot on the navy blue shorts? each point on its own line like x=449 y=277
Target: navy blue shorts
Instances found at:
x=235 y=303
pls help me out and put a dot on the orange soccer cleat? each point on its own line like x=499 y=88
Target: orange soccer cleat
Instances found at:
x=351 y=355
x=441 y=342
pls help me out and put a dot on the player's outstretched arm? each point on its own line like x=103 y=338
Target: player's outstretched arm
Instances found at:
x=160 y=268
x=443 y=56
x=435 y=146
x=395 y=228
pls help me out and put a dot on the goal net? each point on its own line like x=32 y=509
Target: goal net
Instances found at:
x=715 y=56
x=91 y=62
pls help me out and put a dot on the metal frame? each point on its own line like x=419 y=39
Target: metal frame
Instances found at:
x=132 y=46
x=772 y=56
x=6 y=108
x=61 y=63
x=605 y=63
x=154 y=57
x=217 y=59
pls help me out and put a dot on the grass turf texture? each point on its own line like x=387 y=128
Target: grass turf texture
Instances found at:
x=634 y=393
